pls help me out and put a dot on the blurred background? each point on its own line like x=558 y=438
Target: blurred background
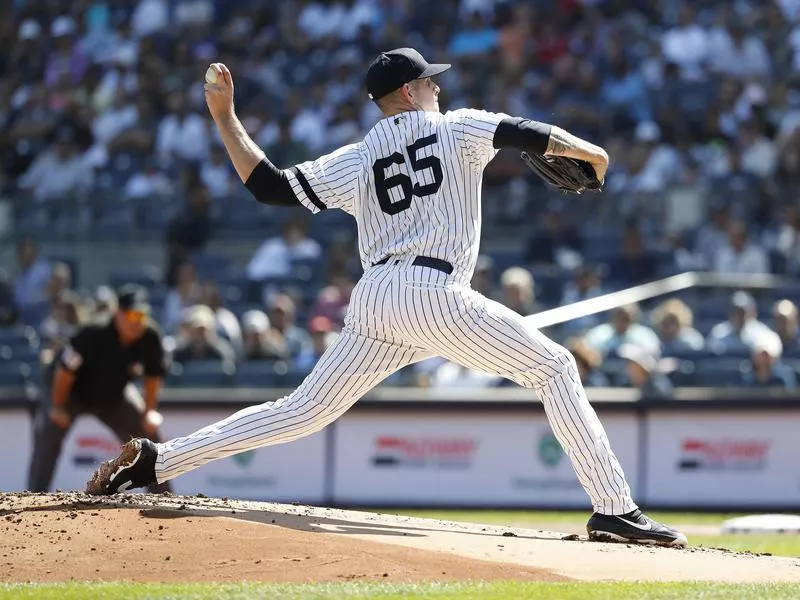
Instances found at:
x=111 y=173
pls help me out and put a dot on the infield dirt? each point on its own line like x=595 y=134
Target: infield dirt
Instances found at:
x=163 y=538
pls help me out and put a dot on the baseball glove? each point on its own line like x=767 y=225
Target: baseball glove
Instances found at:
x=564 y=173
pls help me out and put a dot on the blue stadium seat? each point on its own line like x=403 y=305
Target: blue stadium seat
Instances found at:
x=19 y=336
x=308 y=269
x=503 y=259
x=718 y=372
x=148 y=276
x=291 y=379
x=200 y=373
x=614 y=369
x=255 y=374
x=710 y=354
x=14 y=374
x=211 y=265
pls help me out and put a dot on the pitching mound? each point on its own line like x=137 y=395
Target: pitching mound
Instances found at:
x=71 y=536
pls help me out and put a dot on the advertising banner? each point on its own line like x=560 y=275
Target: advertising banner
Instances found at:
x=732 y=458
x=87 y=444
x=464 y=460
x=286 y=472
x=16 y=431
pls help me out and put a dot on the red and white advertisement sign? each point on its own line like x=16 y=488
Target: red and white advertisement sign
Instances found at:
x=735 y=458
x=87 y=444
x=284 y=472
x=16 y=433
x=462 y=460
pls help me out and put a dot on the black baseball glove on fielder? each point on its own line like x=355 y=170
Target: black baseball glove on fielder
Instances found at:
x=564 y=173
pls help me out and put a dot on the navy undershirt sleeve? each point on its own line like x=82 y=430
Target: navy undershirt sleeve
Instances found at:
x=269 y=185
x=522 y=134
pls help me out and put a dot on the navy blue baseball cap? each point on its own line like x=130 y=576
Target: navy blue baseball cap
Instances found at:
x=394 y=68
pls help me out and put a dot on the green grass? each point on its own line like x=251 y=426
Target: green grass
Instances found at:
x=434 y=591
x=777 y=544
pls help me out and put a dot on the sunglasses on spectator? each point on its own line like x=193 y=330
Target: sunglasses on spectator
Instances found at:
x=135 y=316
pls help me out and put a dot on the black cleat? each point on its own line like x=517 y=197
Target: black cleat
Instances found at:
x=633 y=527
x=135 y=467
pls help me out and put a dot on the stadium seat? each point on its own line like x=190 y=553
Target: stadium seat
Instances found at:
x=291 y=379
x=17 y=336
x=308 y=269
x=146 y=275
x=201 y=373
x=255 y=374
x=718 y=372
x=14 y=374
x=211 y=265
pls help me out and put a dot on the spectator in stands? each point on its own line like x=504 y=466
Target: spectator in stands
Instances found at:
x=482 y=276
x=585 y=284
x=450 y=375
x=519 y=290
x=274 y=257
x=289 y=339
x=66 y=315
x=216 y=174
x=713 y=236
x=182 y=135
x=557 y=244
x=199 y=339
x=59 y=171
x=742 y=327
x=687 y=43
x=765 y=368
x=635 y=264
x=188 y=231
x=759 y=153
x=645 y=371
x=8 y=310
x=150 y=16
x=105 y=303
x=30 y=285
x=681 y=259
x=733 y=52
x=739 y=255
x=332 y=300
x=323 y=334
x=149 y=182
x=588 y=360
x=673 y=322
x=257 y=340
x=783 y=239
x=60 y=282
x=660 y=162
x=187 y=292
x=227 y=325
x=623 y=328
x=785 y=322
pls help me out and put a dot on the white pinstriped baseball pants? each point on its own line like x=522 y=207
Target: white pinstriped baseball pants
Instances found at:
x=400 y=314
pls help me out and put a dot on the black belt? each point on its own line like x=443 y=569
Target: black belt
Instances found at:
x=424 y=261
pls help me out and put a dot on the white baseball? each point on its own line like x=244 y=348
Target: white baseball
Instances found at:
x=211 y=75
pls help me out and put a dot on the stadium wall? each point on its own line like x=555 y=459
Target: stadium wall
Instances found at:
x=705 y=450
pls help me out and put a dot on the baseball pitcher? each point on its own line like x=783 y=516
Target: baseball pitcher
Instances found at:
x=413 y=185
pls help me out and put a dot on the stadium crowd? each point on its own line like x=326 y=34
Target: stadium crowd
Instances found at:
x=106 y=137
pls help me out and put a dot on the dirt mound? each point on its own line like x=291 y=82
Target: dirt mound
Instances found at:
x=137 y=537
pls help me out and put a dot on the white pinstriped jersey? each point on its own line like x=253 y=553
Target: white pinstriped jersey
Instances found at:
x=414 y=187
x=413 y=184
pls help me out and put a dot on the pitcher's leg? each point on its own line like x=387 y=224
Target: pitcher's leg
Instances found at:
x=349 y=368
x=489 y=337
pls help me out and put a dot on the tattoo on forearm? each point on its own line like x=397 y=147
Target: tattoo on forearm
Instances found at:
x=559 y=142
